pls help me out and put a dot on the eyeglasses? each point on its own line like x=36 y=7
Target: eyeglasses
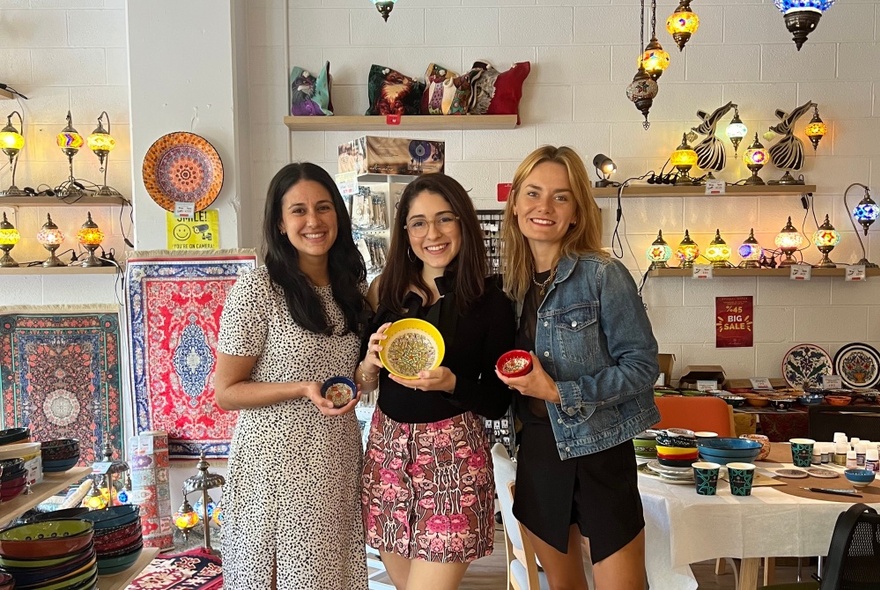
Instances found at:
x=419 y=227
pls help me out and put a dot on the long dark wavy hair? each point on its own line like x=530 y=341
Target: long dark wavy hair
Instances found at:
x=346 y=266
x=403 y=269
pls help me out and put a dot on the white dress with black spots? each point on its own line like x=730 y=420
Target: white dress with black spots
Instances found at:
x=293 y=490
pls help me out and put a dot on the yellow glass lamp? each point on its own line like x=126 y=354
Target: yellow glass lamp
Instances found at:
x=755 y=158
x=90 y=237
x=736 y=130
x=97 y=498
x=102 y=143
x=687 y=251
x=384 y=7
x=69 y=141
x=186 y=518
x=50 y=237
x=750 y=251
x=12 y=142
x=718 y=252
x=682 y=23
x=816 y=128
x=683 y=159
x=789 y=240
x=659 y=252
x=825 y=239
x=655 y=59
x=9 y=237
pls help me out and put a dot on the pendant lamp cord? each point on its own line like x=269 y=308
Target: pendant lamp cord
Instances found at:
x=642 y=33
x=653 y=19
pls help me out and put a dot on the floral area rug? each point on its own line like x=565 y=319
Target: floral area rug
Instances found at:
x=193 y=570
x=59 y=374
x=174 y=304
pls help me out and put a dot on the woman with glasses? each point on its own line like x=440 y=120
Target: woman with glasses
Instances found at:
x=590 y=390
x=428 y=490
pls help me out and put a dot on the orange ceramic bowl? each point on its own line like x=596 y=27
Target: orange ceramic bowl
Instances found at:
x=838 y=400
x=757 y=401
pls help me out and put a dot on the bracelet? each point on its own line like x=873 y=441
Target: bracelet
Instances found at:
x=366 y=378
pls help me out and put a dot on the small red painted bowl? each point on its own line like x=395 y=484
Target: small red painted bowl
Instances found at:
x=514 y=363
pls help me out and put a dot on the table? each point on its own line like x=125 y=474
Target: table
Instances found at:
x=682 y=527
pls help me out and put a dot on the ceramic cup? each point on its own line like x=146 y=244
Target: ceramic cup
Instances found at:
x=706 y=477
x=801 y=451
x=765 y=444
x=705 y=434
x=740 y=476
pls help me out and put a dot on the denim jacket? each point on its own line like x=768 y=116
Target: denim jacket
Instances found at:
x=594 y=339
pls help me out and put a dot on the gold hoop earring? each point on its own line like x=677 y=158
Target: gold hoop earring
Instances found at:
x=410 y=254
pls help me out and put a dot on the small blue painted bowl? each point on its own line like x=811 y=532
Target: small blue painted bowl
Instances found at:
x=859 y=477
x=339 y=390
x=112 y=517
x=811 y=399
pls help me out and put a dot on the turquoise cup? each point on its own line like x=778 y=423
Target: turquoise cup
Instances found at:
x=706 y=477
x=801 y=451
x=741 y=476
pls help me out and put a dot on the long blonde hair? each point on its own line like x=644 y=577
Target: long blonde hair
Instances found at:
x=583 y=237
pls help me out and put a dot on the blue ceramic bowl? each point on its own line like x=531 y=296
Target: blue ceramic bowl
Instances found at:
x=112 y=565
x=737 y=401
x=61 y=465
x=723 y=450
x=14 y=435
x=112 y=517
x=859 y=477
x=339 y=390
x=811 y=399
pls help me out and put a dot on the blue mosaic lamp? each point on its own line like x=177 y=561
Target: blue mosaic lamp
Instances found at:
x=659 y=252
x=802 y=16
x=866 y=213
x=750 y=251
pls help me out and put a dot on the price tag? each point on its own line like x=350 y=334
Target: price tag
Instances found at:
x=832 y=382
x=347 y=183
x=661 y=380
x=702 y=271
x=715 y=187
x=185 y=210
x=101 y=467
x=706 y=384
x=855 y=272
x=762 y=383
x=801 y=272
x=392 y=119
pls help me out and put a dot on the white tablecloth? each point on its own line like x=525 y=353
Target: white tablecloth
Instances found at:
x=682 y=527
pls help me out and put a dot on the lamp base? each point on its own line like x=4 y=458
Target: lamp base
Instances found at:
x=754 y=180
x=13 y=191
x=92 y=260
x=787 y=178
x=789 y=261
x=7 y=261
x=825 y=262
x=658 y=264
x=605 y=182
x=53 y=261
x=107 y=191
x=751 y=264
x=864 y=262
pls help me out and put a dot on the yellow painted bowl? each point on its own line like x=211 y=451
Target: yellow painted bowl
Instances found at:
x=673 y=451
x=411 y=345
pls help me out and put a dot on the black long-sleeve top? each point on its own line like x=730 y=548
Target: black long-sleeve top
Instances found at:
x=474 y=341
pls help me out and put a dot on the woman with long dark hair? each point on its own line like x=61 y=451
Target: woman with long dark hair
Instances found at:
x=291 y=496
x=428 y=491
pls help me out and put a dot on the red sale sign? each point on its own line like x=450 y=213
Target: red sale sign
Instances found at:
x=733 y=322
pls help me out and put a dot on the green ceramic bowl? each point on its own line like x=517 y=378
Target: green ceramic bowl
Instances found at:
x=48 y=539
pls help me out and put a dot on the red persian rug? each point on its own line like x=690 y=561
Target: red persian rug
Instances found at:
x=193 y=570
x=174 y=304
x=59 y=374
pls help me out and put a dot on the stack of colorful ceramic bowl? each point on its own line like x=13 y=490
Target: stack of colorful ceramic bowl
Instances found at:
x=645 y=444
x=59 y=455
x=118 y=537
x=676 y=447
x=55 y=554
x=13 y=479
x=727 y=450
x=14 y=435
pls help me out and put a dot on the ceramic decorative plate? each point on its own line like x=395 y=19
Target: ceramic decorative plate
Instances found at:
x=182 y=167
x=792 y=473
x=858 y=365
x=822 y=473
x=804 y=365
x=412 y=345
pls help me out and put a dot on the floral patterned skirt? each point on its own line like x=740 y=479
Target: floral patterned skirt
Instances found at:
x=428 y=491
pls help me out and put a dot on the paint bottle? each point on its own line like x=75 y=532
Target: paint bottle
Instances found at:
x=827 y=451
x=851 y=462
x=860 y=454
x=853 y=442
x=817 y=454
x=872 y=461
x=840 y=450
x=840 y=437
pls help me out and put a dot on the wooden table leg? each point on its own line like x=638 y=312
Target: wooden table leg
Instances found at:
x=769 y=570
x=748 y=573
x=720 y=566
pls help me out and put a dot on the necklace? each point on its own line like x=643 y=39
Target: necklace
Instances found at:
x=543 y=286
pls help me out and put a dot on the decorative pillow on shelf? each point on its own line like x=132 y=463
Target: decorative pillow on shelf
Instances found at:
x=392 y=93
x=498 y=93
x=310 y=95
x=446 y=93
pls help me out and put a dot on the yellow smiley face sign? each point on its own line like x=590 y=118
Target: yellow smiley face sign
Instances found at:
x=201 y=232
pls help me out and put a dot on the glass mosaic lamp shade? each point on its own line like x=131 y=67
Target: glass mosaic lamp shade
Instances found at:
x=750 y=251
x=659 y=252
x=802 y=16
x=641 y=91
x=825 y=239
x=789 y=240
x=185 y=518
x=755 y=158
x=816 y=129
x=682 y=23
x=683 y=159
x=90 y=237
x=687 y=251
x=9 y=237
x=718 y=252
x=50 y=238
x=69 y=140
x=655 y=59
x=11 y=143
x=736 y=130
x=384 y=7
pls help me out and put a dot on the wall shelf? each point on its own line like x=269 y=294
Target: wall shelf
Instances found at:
x=6 y=94
x=59 y=270
x=52 y=483
x=655 y=191
x=413 y=122
x=52 y=201
x=756 y=272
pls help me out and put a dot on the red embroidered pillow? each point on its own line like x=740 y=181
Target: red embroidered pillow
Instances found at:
x=446 y=92
x=498 y=93
x=392 y=93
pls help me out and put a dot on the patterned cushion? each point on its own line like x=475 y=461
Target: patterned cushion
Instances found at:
x=392 y=93
x=310 y=95
x=446 y=93
x=498 y=93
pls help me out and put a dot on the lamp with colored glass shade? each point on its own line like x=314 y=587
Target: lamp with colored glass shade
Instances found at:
x=659 y=252
x=102 y=143
x=90 y=237
x=825 y=239
x=605 y=167
x=687 y=251
x=654 y=59
x=683 y=159
x=736 y=130
x=69 y=141
x=750 y=251
x=11 y=142
x=204 y=481
x=755 y=158
x=50 y=237
x=789 y=240
x=9 y=237
x=802 y=16
x=641 y=91
x=682 y=23
x=186 y=518
x=384 y=7
x=718 y=252
x=866 y=213
x=816 y=128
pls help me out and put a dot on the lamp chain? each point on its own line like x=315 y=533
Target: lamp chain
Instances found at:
x=653 y=19
x=642 y=34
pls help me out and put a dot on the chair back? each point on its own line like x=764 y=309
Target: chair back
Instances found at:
x=863 y=422
x=853 y=561
x=696 y=413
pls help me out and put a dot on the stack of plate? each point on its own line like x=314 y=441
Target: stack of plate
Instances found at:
x=118 y=537
x=55 y=554
x=671 y=474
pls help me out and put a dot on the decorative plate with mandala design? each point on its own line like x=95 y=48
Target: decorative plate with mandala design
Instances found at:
x=858 y=365
x=804 y=365
x=183 y=167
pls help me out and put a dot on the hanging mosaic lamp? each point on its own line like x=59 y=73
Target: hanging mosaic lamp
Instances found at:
x=802 y=16
x=641 y=91
x=682 y=23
